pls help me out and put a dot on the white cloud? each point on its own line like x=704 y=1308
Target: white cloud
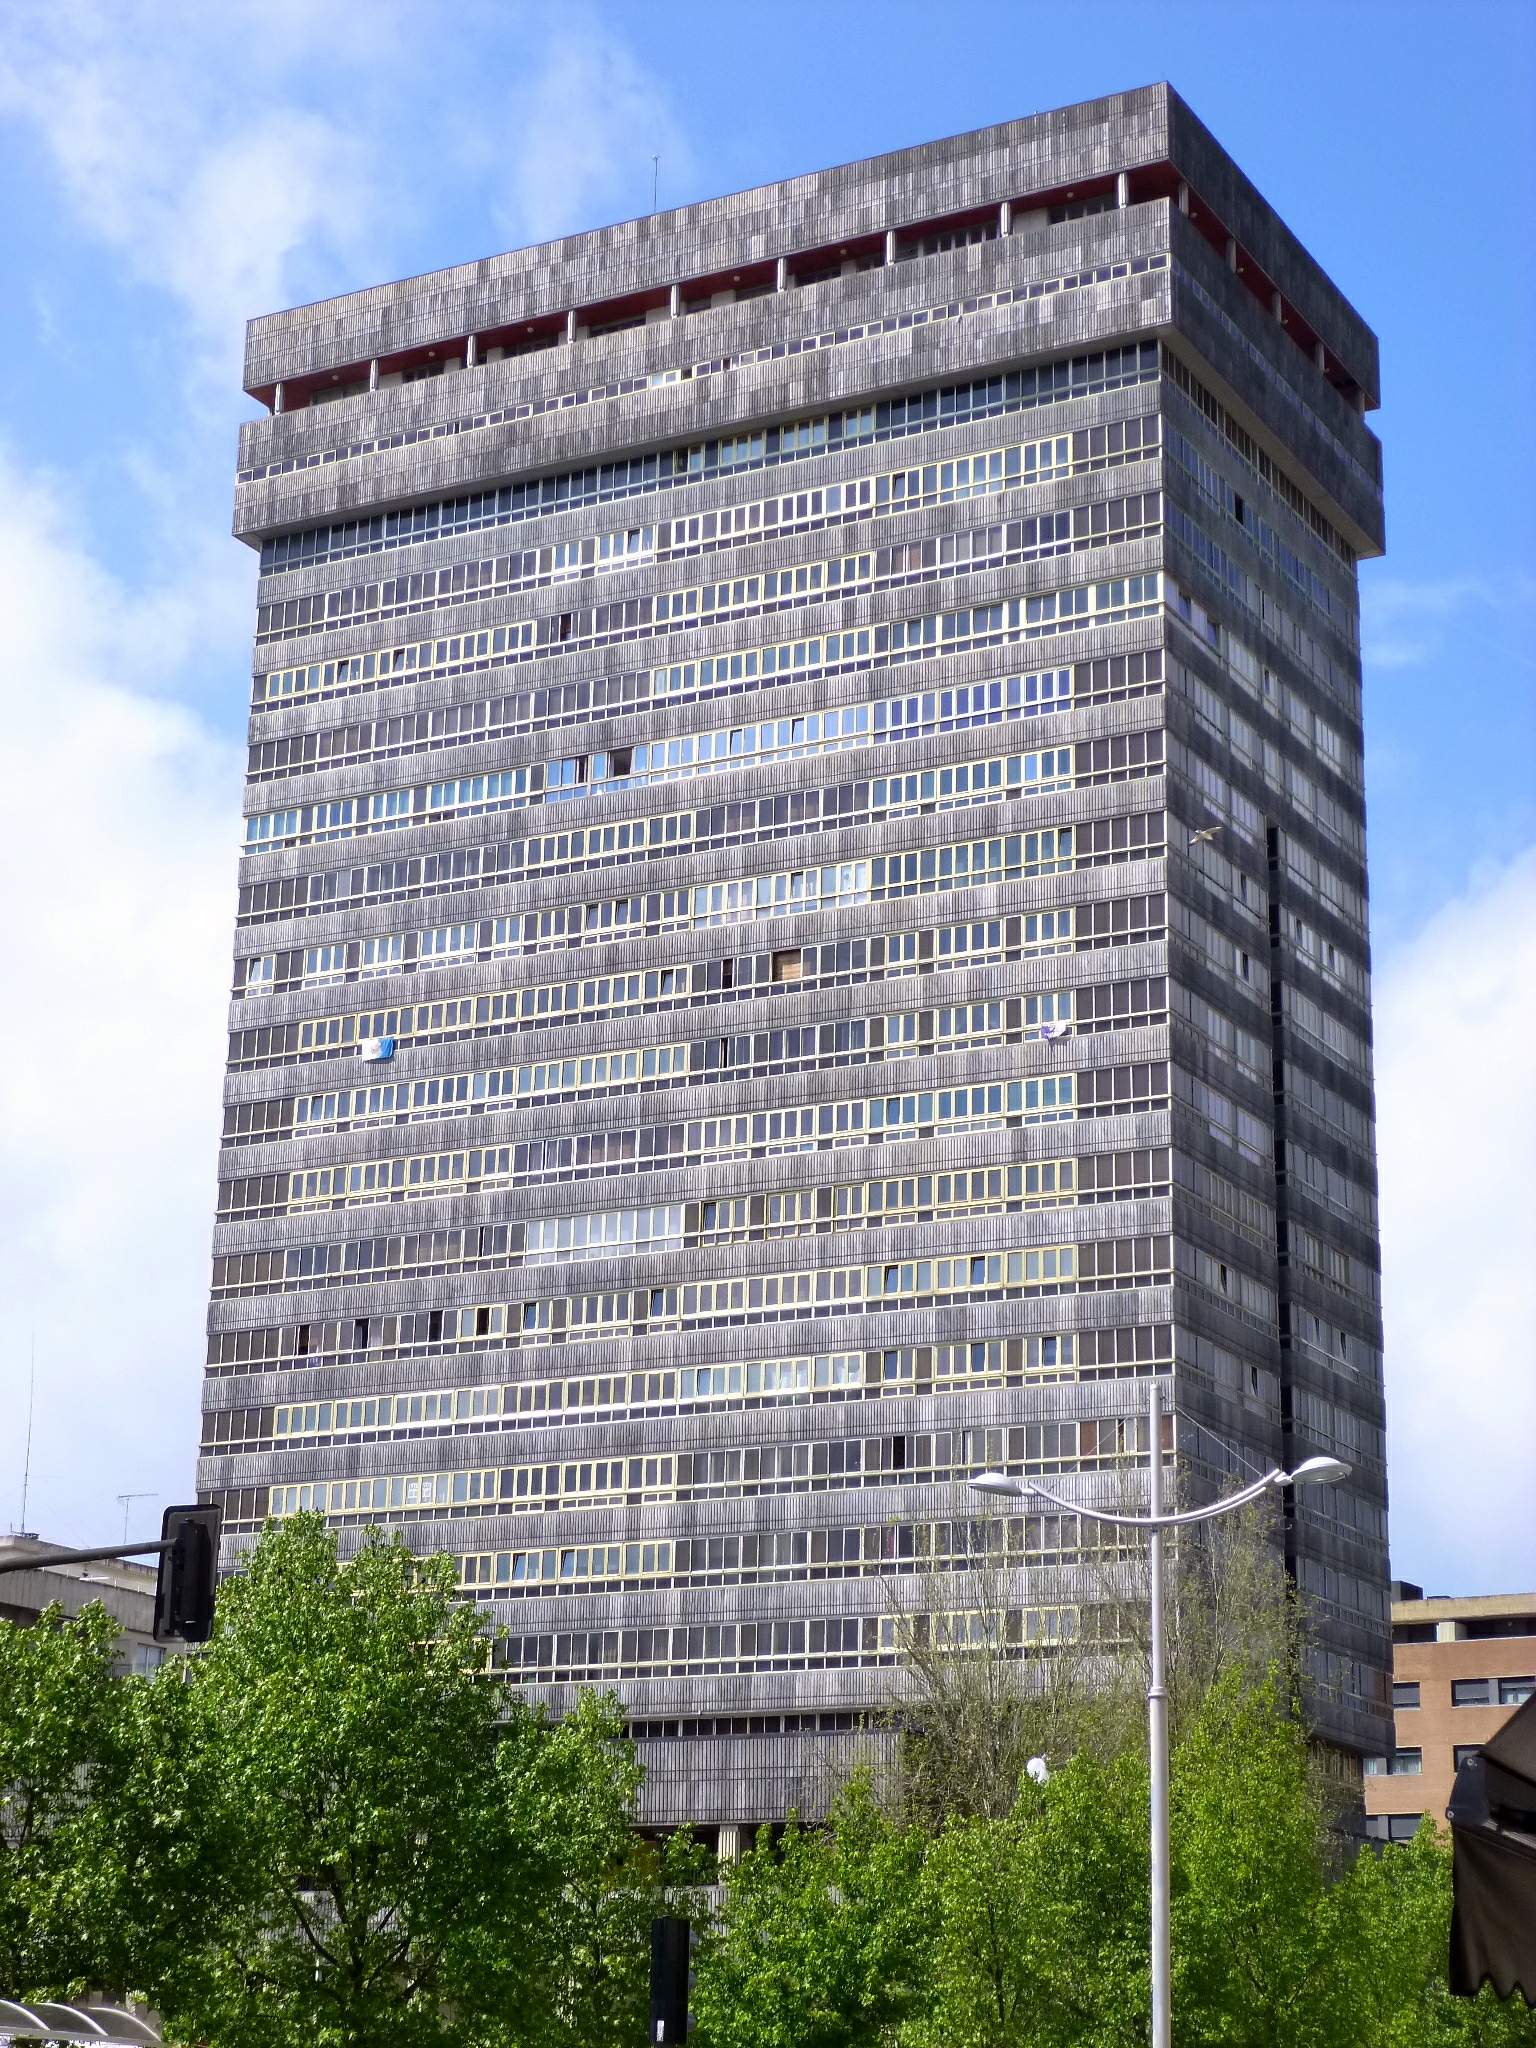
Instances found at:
x=583 y=134
x=245 y=157
x=233 y=160
x=177 y=155
x=1456 y=1095
x=117 y=873
x=1405 y=623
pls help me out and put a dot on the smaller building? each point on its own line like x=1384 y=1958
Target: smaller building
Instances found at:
x=1459 y=1670
x=125 y=1589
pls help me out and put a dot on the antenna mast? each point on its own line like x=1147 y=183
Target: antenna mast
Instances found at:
x=26 y=1470
x=126 y=1500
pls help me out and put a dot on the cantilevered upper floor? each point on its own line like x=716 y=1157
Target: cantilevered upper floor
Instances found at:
x=549 y=353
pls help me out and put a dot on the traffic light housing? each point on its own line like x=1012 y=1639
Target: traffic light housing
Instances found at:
x=669 y=1980
x=184 y=1589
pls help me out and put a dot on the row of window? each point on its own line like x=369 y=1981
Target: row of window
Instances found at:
x=1341 y=678
x=788 y=970
x=780 y=1556
x=1119 y=1351
x=1329 y=1344
x=1347 y=1593
x=702 y=1141
x=879 y=721
x=1138 y=1174
x=1323 y=746
x=728 y=1649
x=1013 y=622
x=701 y=1062
x=1339 y=819
x=1244 y=737
x=1248 y=451
x=822 y=808
x=1332 y=1265
x=1270 y=544
x=936 y=559
x=1327 y=1032
x=957 y=479
x=883 y=721
x=730 y=1472
x=659 y=614
x=1048 y=384
x=628 y=1313
x=707 y=458
x=1346 y=1119
x=1300 y=867
x=1469 y=1692
x=745 y=899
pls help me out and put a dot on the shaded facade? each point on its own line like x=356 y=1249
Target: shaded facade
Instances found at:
x=1460 y=1667
x=125 y=1589
x=804 y=921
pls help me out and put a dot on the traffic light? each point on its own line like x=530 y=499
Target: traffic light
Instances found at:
x=669 y=1980
x=184 y=1589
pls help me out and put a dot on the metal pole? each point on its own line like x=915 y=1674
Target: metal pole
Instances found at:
x=1157 y=1733
x=36 y=1558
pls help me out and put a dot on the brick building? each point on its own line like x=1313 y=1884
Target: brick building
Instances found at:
x=1459 y=1670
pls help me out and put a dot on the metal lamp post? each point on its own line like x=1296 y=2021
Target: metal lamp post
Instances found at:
x=1316 y=1471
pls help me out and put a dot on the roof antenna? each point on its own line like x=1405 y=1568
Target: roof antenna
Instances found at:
x=26 y=1470
x=655 y=180
x=126 y=1500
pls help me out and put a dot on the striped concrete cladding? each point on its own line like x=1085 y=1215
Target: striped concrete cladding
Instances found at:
x=1269 y=1344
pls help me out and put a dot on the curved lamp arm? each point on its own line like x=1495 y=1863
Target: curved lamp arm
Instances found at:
x=1003 y=1483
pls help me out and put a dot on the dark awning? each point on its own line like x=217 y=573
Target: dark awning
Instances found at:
x=1493 y=1847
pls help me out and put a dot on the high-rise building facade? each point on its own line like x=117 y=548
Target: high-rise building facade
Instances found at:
x=804 y=921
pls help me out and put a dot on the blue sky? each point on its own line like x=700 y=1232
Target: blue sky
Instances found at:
x=170 y=169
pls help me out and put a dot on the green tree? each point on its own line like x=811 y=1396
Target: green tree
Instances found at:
x=571 y=1786
x=821 y=1937
x=1257 y=1959
x=969 y=1709
x=62 y=1753
x=1392 y=1913
x=351 y=1836
x=1040 y=1919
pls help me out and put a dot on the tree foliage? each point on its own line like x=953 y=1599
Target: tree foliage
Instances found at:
x=332 y=1829
x=328 y=1829
x=1031 y=1931
x=62 y=1757
x=820 y=1941
x=969 y=1714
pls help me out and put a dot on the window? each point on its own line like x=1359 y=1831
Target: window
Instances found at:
x=1392 y=1827
x=1405 y=1693
x=1471 y=1692
x=1405 y=1763
x=1513 y=1692
x=1464 y=1751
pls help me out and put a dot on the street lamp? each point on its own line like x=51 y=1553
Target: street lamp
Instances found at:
x=1311 y=1471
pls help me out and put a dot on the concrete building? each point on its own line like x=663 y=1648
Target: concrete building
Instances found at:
x=1459 y=1670
x=804 y=927
x=125 y=1589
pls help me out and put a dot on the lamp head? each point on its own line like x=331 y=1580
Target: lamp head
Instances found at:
x=998 y=1483
x=1319 y=1472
